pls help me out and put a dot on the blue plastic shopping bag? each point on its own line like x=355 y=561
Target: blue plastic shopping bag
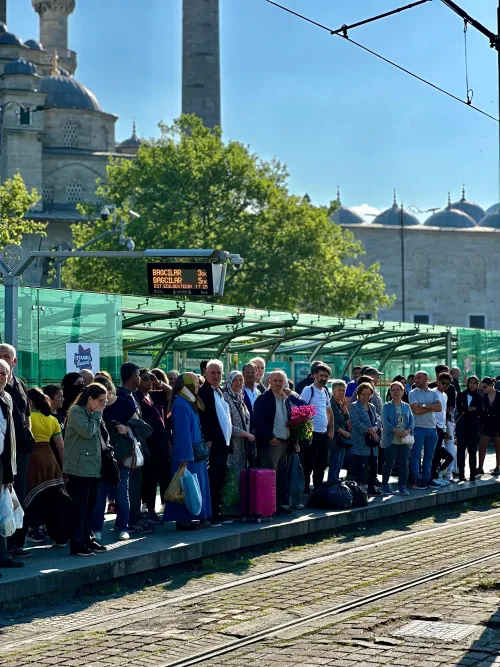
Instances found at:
x=192 y=492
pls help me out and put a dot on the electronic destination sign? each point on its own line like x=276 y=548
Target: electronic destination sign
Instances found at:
x=180 y=279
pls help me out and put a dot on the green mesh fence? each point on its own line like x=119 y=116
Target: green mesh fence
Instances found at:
x=478 y=352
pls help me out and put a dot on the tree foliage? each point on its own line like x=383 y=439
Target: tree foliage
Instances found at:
x=194 y=191
x=15 y=203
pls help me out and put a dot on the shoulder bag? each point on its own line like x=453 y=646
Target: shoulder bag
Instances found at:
x=369 y=439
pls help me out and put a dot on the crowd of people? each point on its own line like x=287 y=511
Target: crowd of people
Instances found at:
x=74 y=451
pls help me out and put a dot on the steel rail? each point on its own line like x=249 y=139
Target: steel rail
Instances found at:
x=83 y=625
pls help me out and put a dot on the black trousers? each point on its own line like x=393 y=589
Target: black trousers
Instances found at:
x=316 y=459
x=155 y=471
x=217 y=465
x=22 y=462
x=83 y=493
x=364 y=469
x=467 y=441
x=442 y=457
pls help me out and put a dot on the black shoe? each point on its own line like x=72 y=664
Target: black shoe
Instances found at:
x=18 y=552
x=375 y=492
x=141 y=529
x=462 y=479
x=152 y=517
x=96 y=547
x=188 y=525
x=11 y=563
x=284 y=509
x=480 y=471
x=81 y=551
x=35 y=537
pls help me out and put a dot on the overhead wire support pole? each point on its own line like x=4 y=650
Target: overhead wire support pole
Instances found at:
x=494 y=43
x=342 y=32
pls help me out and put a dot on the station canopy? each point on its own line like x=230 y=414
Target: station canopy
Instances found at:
x=160 y=326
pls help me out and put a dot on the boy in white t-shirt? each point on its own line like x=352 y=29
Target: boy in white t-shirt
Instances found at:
x=442 y=456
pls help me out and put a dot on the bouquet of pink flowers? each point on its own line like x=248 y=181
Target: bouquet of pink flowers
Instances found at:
x=301 y=422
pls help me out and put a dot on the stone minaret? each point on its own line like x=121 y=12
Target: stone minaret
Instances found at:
x=201 y=60
x=54 y=18
x=3 y=11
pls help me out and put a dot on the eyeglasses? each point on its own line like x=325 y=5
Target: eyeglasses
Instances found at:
x=102 y=401
x=485 y=386
x=445 y=383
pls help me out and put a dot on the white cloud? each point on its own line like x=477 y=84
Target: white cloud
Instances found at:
x=366 y=211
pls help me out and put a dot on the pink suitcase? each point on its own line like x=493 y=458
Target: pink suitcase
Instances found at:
x=258 y=493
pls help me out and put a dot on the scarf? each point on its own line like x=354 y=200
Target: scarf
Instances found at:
x=223 y=415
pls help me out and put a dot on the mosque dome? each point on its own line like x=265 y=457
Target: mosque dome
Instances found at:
x=64 y=92
x=450 y=217
x=9 y=38
x=33 y=45
x=20 y=66
x=133 y=142
x=392 y=217
x=493 y=209
x=344 y=215
x=492 y=220
x=474 y=211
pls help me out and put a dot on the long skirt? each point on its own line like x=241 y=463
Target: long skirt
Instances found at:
x=47 y=501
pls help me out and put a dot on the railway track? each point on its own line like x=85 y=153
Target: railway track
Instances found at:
x=90 y=624
x=335 y=610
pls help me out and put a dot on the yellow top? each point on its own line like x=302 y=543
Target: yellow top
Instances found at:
x=43 y=427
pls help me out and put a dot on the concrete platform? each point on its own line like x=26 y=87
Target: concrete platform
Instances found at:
x=50 y=570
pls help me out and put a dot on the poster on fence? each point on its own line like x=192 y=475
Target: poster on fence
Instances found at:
x=82 y=355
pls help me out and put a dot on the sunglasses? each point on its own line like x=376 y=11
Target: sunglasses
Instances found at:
x=445 y=383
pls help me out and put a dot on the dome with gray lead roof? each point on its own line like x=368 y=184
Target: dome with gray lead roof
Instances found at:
x=392 y=216
x=492 y=220
x=344 y=215
x=451 y=218
x=64 y=92
x=474 y=211
x=33 y=45
x=19 y=66
x=9 y=38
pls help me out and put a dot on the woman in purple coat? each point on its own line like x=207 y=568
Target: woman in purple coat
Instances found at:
x=184 y=406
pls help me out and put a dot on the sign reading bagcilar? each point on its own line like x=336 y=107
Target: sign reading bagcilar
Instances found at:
x=181 y=279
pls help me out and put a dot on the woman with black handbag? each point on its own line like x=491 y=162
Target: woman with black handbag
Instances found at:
x=342 y=438
x=114 y=434
x=365 y=435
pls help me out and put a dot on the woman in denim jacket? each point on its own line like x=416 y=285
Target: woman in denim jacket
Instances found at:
x=364 y=422
x=397 y=422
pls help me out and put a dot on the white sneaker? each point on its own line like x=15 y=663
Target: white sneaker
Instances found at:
x=123 y=536
x=226 y=522
x=98 y=537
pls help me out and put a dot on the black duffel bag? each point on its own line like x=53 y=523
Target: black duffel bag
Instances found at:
x=331 y=496
x=359 y=495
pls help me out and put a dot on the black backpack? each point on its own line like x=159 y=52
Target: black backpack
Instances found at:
x=359 y=495
x=331 y=496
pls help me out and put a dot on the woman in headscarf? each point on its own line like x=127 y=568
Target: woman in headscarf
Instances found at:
x=468 y=427
x=72 y=385
x=242 y=440
x=184 y=406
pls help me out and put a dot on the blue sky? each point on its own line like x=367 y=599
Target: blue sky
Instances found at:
x=332 y=113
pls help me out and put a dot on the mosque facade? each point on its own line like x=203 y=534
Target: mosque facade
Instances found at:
x=442 y=271
x=52 y=128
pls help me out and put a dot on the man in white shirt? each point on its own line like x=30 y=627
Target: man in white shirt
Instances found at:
x=442 y=457
x=316 y=456
x=424 y=403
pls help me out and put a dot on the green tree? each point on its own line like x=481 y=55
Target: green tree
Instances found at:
x=194 y=191
x=15 y=202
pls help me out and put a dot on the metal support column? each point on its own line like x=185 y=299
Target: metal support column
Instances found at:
x=449 y=349
x=12 y=285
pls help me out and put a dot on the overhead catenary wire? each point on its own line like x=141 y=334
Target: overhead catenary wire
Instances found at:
x=342 y=32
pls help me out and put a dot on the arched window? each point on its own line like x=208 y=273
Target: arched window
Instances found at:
x=74 y=193
x=48 y=196
x=421 y=270
x=71 y=134
x=477 y=272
